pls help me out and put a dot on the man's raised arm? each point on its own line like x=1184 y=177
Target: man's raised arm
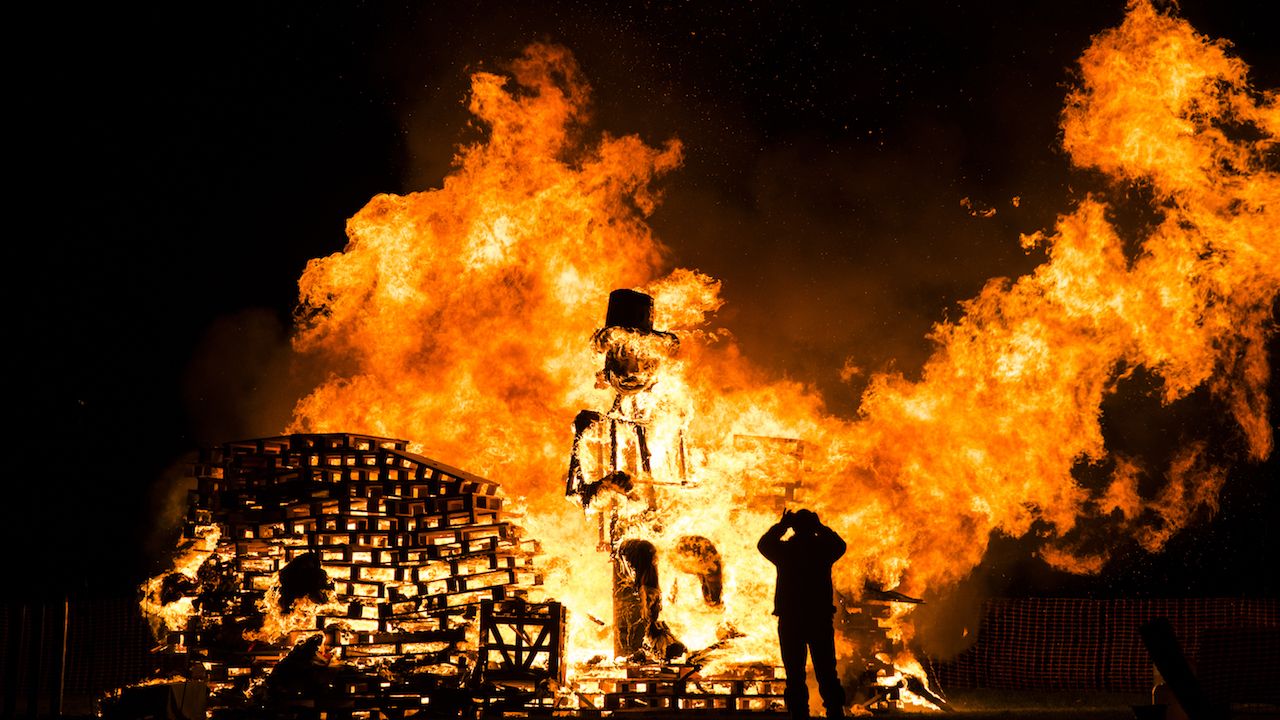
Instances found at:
x=831 y=542
x=770 y=544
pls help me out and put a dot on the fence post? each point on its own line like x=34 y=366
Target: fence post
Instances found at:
x=59 y=679
x=36 y=660
x=13 y=658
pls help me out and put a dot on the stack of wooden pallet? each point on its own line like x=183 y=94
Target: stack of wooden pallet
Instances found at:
x=675 y=688
x=409 y=549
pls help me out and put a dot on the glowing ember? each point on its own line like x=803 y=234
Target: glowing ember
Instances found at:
x=165 y=603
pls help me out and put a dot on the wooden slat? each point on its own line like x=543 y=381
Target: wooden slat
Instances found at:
x=411 y=546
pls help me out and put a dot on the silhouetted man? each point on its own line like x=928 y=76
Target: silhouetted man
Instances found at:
x=804 y=608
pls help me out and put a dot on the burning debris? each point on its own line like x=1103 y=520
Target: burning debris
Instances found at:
x=336 y=571
x=885 y=674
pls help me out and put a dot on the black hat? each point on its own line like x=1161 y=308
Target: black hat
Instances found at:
x=630 y=309
x=630 y=313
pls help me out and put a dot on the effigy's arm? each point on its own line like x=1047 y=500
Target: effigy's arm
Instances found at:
x=583 y=456
x=594 y=462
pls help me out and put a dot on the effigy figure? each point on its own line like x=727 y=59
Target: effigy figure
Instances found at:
x=622 y=462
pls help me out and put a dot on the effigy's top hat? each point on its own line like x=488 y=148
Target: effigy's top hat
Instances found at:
x=631 y=310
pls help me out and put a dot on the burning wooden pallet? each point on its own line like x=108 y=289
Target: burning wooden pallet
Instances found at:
x=676 y=688
x=522 y=643
x=346 y=578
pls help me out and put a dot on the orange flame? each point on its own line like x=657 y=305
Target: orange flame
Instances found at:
x=460 y=317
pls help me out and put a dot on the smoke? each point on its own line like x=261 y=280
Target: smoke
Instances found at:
x=244 y=378
x=168 y=505
x=242 y=381
x=862 y=252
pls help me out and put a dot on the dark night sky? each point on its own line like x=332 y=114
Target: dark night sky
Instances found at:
x=178 y=168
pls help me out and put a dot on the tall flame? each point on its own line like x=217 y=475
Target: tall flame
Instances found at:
x=457 y=316
x=460 y=317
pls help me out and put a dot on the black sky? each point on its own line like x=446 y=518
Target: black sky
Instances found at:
x=177 y=168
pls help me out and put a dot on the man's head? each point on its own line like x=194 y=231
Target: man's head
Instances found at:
x=803 y=520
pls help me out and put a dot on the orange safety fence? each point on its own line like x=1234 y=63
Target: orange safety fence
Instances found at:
x=1079 y=644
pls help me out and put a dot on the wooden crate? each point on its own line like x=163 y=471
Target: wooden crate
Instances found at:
x=521 y=642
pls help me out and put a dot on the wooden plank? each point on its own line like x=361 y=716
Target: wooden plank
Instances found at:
x=412 y=545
